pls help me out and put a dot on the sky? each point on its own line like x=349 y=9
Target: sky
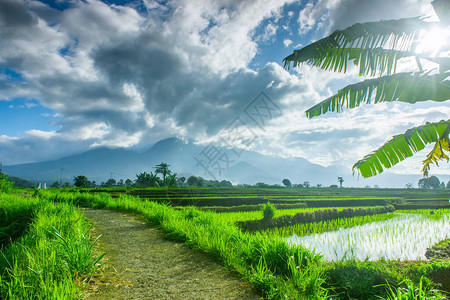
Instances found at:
x=77 y=75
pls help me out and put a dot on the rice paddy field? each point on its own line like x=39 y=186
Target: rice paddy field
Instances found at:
x=315 y=243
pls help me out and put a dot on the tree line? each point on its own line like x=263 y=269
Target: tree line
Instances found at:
x=162 y=176
x=159 y=177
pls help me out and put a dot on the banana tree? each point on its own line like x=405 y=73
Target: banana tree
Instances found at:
x=375 y=48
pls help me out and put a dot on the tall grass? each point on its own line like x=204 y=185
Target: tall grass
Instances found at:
x=265 y=261
x=276 y=269
x=54 y=249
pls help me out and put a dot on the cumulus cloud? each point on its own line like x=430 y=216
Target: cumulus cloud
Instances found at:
x=118 y=76
x=324 y=16
x=287 y=42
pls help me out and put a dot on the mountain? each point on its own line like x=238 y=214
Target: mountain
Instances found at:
x=187 y=158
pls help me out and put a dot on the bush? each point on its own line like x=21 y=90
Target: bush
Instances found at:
x=268 y=211
x=5 y=185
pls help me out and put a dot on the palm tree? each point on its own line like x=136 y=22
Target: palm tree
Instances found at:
x=80 y=181
x=376 y=47
x=163 y=169
x=340 y=180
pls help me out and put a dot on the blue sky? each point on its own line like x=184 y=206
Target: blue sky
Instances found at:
x=75 y=75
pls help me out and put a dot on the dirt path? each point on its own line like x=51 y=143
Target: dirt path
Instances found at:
x=141 y=264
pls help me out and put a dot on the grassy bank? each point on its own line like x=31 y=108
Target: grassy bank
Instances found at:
x=49 y=252
x=275 y=269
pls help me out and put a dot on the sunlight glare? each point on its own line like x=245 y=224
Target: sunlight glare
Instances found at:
x=431 y=41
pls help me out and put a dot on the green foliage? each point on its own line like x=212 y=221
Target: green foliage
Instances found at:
x=15 y=216
x=429 y=182
x=375 y=47
x=321 y=215
x=264 y=261
x=147 y=180
x=163 y=169
x=302 y=229
x=360 y=280
x=54 y=250
x=5 y=185
x=268 y=211
x=287 y=182
x=401 y=147
x=276 y=269
x=411 y=292
x=81 y=181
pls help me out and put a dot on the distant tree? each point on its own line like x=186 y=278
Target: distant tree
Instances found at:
x=6 y=186
x=192 y=181
x=147 y=180
x=409 y=185
x=55 y=184
x=334 y=186
x=181 y=180
x=306 y=184
x=261 y=185
x=66 y=184
x=448 y=184
x=80 y=181
x=226 y=183
x=128 y=182
x=110 y=182
x=171 y=180
x=163 y=169
x=319 y=185
x=200 y=181
x=213 y=183
x=120 y=183
x=340 y=180
x=287 y=183
x=93 y=184
x=442 y=185
x=429 y=182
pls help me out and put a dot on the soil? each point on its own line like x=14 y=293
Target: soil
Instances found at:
x=440 y=250
x=141 y=264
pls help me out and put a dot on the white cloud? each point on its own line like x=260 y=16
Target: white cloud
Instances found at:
x=121 y=79
x=324 y=16
x=287 y=42
x=44 y=135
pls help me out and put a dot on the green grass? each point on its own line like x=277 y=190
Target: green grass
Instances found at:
x=324 y=226
x=278 y=271
x=266 y=262
x=234 y=217
x=53 y=250
x=275 y=269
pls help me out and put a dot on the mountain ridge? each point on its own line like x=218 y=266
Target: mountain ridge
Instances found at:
x=191 y=159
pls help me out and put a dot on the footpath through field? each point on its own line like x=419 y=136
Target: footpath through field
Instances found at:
x=141 y=264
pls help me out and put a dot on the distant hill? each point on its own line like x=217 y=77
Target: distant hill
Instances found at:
x=187 y=158
x=22 y=183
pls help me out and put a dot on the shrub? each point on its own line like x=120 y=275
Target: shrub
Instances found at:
x=268 y=211
x=5 y=185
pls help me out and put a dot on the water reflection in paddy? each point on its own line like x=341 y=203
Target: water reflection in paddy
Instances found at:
x=405 y=237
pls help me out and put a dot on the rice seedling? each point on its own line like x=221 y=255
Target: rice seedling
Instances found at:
x=405 y=237
x=325 y=226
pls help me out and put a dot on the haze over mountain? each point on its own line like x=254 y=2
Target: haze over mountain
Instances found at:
x=187 y=158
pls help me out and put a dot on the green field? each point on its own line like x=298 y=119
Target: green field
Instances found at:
x=213 y=220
